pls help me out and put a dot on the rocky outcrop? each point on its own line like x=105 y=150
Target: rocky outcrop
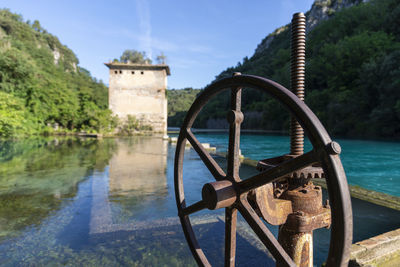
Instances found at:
x=321 y=10
x=267 y=41
x=56 y=56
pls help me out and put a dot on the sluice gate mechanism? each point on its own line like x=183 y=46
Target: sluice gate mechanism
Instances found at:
x=282 y=193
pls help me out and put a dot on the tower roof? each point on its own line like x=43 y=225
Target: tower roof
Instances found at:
x=130 y=66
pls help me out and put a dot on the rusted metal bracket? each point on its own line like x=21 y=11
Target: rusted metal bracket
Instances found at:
x=273 y=210
x=304 y=222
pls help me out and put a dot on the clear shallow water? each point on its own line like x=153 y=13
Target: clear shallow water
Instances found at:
x=111 y=202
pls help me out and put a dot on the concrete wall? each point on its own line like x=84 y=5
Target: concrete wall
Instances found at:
x=139 y=92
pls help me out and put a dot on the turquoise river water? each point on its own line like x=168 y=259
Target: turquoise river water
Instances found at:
x=110 y=202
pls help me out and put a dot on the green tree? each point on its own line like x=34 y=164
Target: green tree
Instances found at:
x=37 y=88
x=134 y=56
x=14 y=118
x=161 y=58
x=36 y=26
x=179 y=101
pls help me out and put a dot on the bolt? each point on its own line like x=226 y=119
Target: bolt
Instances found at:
x=300 y=213
x=277 y=192
x=334 y=148
x=235 y=116
x=327 y=204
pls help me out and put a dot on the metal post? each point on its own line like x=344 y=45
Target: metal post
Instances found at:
x=298 y=244
x=297 y=74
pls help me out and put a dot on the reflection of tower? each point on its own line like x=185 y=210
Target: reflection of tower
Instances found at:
x=139 y=165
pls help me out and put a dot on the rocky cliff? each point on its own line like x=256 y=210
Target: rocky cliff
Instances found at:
x=321 y=10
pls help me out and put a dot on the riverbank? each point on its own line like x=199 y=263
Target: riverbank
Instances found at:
x=109 y=135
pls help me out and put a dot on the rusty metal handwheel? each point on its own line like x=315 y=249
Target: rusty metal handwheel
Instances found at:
x=230 y=192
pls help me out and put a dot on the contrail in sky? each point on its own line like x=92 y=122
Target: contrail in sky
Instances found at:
x=143 y=13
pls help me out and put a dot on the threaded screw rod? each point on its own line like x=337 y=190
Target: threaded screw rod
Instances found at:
x=297 y=77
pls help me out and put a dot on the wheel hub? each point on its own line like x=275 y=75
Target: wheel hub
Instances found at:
x=221 y=194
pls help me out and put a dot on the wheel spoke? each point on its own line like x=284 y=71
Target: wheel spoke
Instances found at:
x=264 y=234
x=200 y=205
x=230 y=236
x=212 y=166
x=235 y=119
x=194 y=246
x=279 y=171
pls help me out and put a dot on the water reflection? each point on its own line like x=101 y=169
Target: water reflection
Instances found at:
x=37 y=174
x=137 y=179
x=139 y=165
x=111 y=202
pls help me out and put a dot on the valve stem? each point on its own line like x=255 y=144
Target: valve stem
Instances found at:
x=297 y=76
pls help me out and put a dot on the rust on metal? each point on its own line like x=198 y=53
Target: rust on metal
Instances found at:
x=218 y=195
x=304 y=222
x=281 y=193
x=235 y=118
x=341 y=227
x=297 y=77
x=307 y=173
x=273 y=210
x=334 y=148
x=230 y=236
x=280 y=171
x=298 y=245
x=305 y=198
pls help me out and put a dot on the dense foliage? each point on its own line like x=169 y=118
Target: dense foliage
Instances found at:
x=179 y=101
x=352 y=74
x=41 y=83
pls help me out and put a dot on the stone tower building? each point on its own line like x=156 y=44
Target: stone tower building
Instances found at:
x=139 y=90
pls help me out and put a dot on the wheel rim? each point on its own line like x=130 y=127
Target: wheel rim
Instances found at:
x=341 y=233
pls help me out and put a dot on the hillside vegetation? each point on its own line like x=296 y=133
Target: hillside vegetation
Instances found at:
x=352 y=74
x=41 y=83
x=179 y=101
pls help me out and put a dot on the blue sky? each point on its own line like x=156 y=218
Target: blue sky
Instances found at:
x=200 y=38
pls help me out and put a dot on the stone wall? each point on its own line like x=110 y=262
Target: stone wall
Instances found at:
x=382 y=250
x=139 y=91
